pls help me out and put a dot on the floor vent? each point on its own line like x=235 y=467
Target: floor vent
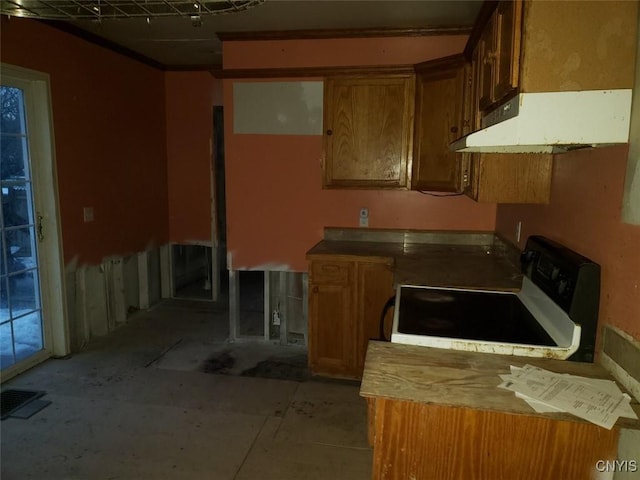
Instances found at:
x=21 y=403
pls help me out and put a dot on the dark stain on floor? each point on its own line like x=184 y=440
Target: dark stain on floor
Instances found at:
x=282 y=368
x=220 y=363
x=292 y=367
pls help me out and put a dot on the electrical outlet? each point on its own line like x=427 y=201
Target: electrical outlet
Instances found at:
x=518 y=231
x=364 y=217
x=275 y=317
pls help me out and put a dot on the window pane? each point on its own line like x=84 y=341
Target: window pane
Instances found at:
x=21 y=253
x=24 y=293
x=11 y=110
x=6 y=346
x=4 y=302
x=3 y=270
x=13 y=151
x=16 y=202
x=27 y=335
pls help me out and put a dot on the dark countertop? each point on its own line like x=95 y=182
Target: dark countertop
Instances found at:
x=433 y=264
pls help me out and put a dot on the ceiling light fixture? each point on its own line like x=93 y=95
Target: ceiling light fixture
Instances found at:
x=104 y=9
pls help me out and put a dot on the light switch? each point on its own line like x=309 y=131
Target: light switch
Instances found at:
x=87 y=213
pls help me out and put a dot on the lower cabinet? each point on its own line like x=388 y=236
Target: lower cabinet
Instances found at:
x=346 y=299
x=431 y=441
x=331 y=326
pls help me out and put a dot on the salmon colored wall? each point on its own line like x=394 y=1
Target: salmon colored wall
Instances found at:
x=276 y=207
x=109 y=126
x=584 y=214
x=218 y=93
x=190 y=97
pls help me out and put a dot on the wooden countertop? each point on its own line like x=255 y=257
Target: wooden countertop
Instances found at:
x=437 y=265
x=461 y=379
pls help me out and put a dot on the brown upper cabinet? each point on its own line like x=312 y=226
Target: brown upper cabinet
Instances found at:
x=497 y=54
x=508 y=25
x=438 y=122
x=368 y=123
x=528 y=47
x=507 y=178
x=551 y=46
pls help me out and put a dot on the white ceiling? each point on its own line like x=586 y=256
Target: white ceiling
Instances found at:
x=174 y=41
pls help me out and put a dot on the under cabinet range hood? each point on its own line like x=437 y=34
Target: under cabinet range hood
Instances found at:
x=553 y=122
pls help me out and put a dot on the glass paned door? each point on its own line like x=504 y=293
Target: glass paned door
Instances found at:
x=21 y=326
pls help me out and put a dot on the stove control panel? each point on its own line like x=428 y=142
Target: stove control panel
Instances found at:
x=571 y=280
x=554 y=277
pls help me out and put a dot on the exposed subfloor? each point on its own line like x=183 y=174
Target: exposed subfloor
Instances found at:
x=131 y=407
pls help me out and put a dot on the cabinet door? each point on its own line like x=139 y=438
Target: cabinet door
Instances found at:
x=487 y=59
x=507 y=178
x=439 y=112
x=374 y=287
x=509 y=24
x=470 y=112
x=331 y=320
x=368 y=131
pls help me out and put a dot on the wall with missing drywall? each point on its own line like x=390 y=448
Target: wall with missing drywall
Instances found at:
x=287 y=298
x=102 y=297
x=110 y=154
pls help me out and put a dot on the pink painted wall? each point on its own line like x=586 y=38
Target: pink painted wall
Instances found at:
x=109 y=126
x=189 y=98
x=584 y=214
x=276 y=207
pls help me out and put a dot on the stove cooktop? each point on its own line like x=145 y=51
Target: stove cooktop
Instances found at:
x=553 y=315
x=472 y=315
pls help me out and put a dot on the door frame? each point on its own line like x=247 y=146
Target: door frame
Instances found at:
x=218 y=194
x=37 y=98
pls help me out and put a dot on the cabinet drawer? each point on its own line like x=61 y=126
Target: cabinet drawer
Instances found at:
x=336 y=273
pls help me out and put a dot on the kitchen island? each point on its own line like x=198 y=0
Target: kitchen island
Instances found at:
x=439 y=414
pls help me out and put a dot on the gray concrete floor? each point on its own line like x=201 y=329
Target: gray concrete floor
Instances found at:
x=120 y=412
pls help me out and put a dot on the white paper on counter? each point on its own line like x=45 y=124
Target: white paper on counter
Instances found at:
x=596 y=400
x=539 y=407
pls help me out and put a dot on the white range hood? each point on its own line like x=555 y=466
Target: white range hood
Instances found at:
x=553 y=122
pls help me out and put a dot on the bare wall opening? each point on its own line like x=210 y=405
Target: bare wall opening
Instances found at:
x=251 y=294
x=191 y=272
x=271 y=305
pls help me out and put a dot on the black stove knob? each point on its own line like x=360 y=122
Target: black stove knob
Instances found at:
x=562 y=286
x=528 y=257
x=554 y=273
